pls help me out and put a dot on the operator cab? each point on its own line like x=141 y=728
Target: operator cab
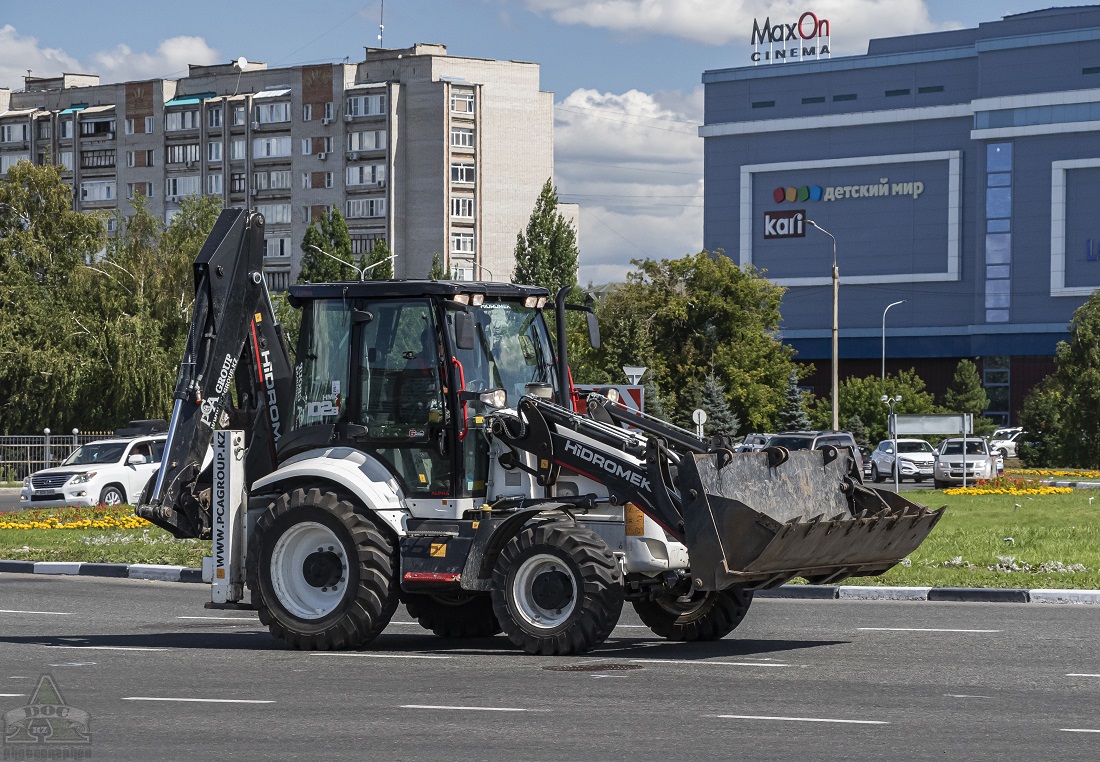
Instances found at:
x=399 y=369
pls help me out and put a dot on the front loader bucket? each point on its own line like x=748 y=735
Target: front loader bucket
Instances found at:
x=750 y=523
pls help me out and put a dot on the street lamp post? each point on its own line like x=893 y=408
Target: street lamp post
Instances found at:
x=836 y=328
x=888 y=306
x=893 y=423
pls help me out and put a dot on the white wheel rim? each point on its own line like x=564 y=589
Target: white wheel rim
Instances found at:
x=113 y=497
x=523 y=591
x=304 y=595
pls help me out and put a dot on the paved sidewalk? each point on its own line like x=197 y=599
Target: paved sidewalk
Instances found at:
x=805 y=592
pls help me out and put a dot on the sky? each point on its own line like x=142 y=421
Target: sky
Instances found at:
x=626 y=75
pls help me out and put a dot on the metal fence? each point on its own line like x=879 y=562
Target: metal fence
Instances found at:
x=21 y=456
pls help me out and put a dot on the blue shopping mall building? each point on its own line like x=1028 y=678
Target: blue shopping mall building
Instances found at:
x=958 y=171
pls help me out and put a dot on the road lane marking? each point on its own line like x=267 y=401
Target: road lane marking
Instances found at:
x=12 y=695
x=108 y=648
x=221 y=618
x=918 y=629
x=800 y=719
x=464 y=708
x=52 y=613
x=1079 y=730
x=378 y=656
x=197 y=700
x=1081 y=674
x=723 y=663
x=965 y=695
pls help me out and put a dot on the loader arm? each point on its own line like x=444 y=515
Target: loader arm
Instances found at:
x=747 y=519
x=234 y=344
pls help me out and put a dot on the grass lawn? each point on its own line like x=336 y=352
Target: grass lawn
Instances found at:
x=1052 y=538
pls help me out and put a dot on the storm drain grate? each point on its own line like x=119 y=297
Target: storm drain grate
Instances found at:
x=594 y=668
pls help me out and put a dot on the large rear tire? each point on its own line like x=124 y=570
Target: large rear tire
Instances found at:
x=557 y=589
x=707 y=616
x=322 y=574
x=460 y=615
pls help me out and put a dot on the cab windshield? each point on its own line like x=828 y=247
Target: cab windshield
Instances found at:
x=511 y=350
x=91 y=454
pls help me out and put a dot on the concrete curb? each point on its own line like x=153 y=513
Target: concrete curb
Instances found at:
x=164 y=573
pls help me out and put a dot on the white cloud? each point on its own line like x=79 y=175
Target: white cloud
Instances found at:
x=720 y=22
x=634 y=164
x=118 y=64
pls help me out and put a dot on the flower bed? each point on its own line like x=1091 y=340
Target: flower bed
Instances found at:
x=99 y=517
x=1008 y=485
x=1078 y=473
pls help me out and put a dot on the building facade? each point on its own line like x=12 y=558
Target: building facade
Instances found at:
x=435 y=154
x=957 y=172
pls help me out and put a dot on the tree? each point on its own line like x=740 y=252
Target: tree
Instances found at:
x=685 y=318
x=967 y=395
x=327 y=235
x=793 y=415
x=858 y=430
x=653 y=404
x=438 y=273
x=721 y=420
x=546 y=254
x=1063 y=413
x=863 y=397
x=379 y=257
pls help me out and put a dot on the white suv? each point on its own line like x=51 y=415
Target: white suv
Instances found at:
x=915 y=456
x=106 y=472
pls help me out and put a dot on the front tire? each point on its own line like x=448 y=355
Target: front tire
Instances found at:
x=876 y=477
x=557 y=589
x=707 y=616
x=112 y=495
x=462 y=615
x=322 y=574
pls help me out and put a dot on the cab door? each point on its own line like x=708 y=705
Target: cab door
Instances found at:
x=399 y=395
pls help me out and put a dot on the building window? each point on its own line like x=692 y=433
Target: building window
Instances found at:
x=214 y=184
x=462 y=207
x=97 y=190
x=148 y=125
x=139 y=189
x=181 y=153
x=274 y=214
x=94 y=159
x=65 y=129
x=239 y=116
x=182 y=185
x=266 y=148
x=9 y=160
x=214 y=117
x=238 y=182
x=1091 y=70
x=277 y=246
x=65 y=160
x=463 y=173
x=365 y=207
x=328 y=111
x=238 y=149
x=844 y=97
x=181 y=120
x=368 y=140
x=307 y=146
x=307 y=112
x=100 y=128
x=813 y=99
x=280 y=179
x=997 y=379
x=462 y=137
x=462 y=103
x=896 y=93
x=366 y=105
x=998 y=238
x=462 y=243
x=13 y=133
x=43 y=129
x=763 y=104
x=270 y=113
x=128 y=127
x=214 y=150
x=259 y=181
x=366 y=174
x=930 y=89
x=328 y=179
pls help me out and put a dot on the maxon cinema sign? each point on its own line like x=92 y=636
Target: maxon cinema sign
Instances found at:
x=809 y=37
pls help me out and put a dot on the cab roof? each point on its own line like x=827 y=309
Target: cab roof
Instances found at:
x=404 y=289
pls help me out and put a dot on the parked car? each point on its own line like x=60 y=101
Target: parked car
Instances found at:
x=979 y=462
x=915 y=458
x=865 y=454
x=1007 y=443
x=815 y=440
x=104 y=472
x=753 y=442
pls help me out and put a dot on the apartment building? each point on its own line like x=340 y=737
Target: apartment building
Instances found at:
x=434 y=154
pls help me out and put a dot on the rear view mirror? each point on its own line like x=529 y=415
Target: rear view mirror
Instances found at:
x=135 y=460
x=464 y=330
x=593 y=330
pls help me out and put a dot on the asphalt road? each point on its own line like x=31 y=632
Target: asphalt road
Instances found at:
x=162 y=678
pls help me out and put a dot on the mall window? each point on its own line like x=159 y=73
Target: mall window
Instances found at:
x=996 y=378
x=930 y=89
x=896 y=93
x=998 y=238
x=813 y=99
x=1091 y=70
x=844 y=97
x=763 y=104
